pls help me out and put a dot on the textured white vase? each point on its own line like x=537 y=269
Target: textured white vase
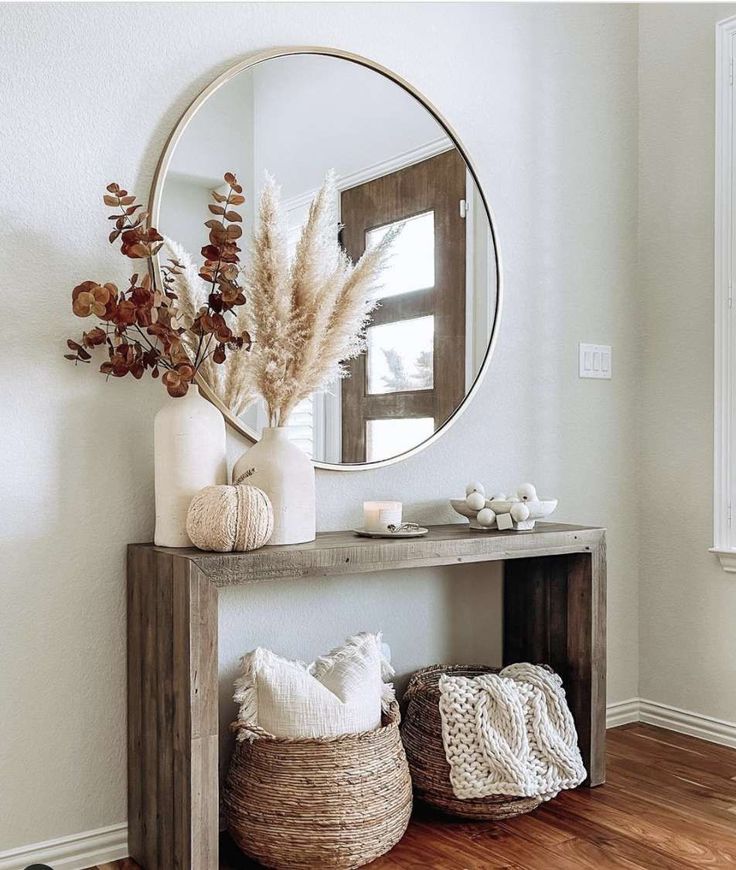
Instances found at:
x=189 y=453
x=286 y=474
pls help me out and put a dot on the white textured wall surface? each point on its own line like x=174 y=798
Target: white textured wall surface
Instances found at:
x=545 y=100
x=688 y=642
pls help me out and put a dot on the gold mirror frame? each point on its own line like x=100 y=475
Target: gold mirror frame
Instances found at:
x=155 y=206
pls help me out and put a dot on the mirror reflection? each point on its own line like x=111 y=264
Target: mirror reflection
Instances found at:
x=296 y=117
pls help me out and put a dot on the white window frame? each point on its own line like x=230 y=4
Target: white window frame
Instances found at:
x=724 y=477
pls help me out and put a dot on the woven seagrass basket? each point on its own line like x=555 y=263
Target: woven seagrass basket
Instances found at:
x=336 y=802
x=421 y=732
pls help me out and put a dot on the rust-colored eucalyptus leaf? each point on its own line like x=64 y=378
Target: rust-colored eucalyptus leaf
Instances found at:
x=229 y=271
x=125 y=314
x=94 y=337
x=177 y=380
x=216 y=302
x=138 y=243
x=91 y=300
x=218 y=235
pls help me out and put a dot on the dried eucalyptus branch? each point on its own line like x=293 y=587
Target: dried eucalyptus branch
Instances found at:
x=144 y=327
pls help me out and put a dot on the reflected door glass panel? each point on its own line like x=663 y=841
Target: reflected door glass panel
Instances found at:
x=411 y=266
x=400 y=356
x=388 y=437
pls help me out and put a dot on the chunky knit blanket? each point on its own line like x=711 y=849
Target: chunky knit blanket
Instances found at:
x=509 y=733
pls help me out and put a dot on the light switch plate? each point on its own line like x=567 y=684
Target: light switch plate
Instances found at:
x=596 y=361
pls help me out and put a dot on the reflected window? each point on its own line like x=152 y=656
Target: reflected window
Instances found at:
x=411 y=266
x=389 y=437
x=400 y=356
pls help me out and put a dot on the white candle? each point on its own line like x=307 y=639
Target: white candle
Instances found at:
x=379 y=515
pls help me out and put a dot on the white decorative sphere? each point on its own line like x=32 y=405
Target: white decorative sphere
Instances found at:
x=475 y=487
x=475 y=501
x=527 y=492
x=230 y=518
x=519 y=512
x=486 y=517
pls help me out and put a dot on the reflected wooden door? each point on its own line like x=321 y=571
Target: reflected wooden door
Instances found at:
x=412 y=376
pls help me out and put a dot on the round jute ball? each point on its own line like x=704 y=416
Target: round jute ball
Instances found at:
x=230 y=518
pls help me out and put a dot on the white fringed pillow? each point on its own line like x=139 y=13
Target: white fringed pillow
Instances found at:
x=341 y=693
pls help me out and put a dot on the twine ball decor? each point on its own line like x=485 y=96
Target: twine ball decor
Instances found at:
x=230 y=518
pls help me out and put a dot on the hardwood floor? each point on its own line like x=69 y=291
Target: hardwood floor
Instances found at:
x=669 y=802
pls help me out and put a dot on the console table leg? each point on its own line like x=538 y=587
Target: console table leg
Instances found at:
x=173 y=798
x=555 y=612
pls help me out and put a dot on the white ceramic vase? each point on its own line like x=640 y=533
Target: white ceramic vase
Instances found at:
x=189 y=454
x=286 y=474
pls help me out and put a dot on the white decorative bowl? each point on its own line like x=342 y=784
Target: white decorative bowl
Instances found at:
x=538 y=509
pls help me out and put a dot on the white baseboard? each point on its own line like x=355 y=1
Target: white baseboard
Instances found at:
x=80 y=851
x=622 y=713
x=685 y=722
x=673 y=719
x=75 y=852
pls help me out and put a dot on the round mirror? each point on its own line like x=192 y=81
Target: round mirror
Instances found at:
x=296 y=115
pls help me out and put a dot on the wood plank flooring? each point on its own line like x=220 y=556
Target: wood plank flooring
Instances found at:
x=669 y=802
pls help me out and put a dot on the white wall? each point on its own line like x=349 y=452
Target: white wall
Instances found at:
x=337 y=115
x=688 y=604
x=544 y=98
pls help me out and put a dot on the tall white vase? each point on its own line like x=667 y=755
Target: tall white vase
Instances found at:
x=286 y=474
x=189 y=453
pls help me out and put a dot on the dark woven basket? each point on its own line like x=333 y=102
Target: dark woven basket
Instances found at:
x=421 y=732
x=334 y=802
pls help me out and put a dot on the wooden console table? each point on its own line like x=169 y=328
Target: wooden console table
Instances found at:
x=554 y=611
